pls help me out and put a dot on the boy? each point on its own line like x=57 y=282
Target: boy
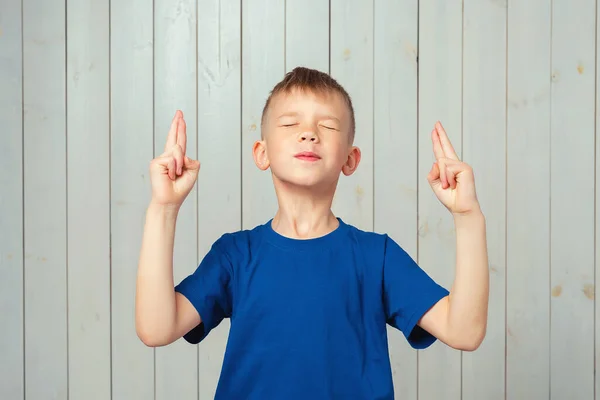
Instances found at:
x=308 y=295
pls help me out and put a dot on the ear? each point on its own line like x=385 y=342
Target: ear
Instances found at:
x=259 y=152
x=352 y=161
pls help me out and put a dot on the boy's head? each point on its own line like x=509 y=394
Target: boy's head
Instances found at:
x=310 y=81
x=307 y=130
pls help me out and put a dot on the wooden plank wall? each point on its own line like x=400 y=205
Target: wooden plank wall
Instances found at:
x=87 y=90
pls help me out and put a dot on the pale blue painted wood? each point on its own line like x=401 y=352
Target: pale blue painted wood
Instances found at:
x=174 y=89
x=352 y=65
x=395 y=149
x=307 y=34
x=45 y=195
x=219 y=140
x=520 y=94
x=263 y=65
x=484 y=148
x=572 y=208
x=88 y=188
x=11 y=202
x=440 y=99
x=528 y=200
x=132 y=145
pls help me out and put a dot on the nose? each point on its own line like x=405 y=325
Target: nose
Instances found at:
x=308 y=135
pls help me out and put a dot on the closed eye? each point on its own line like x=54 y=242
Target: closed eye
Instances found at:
x=329 y=127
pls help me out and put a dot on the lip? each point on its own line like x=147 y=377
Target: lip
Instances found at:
x=307 y=156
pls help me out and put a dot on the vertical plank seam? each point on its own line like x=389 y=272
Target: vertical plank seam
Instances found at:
x=550 y=201
x=595 y=345
x=462 y=139
x=242 y=114
x=329 y=41
x=506 y=77
x=373 y=115
x=23 y=202
x=110 y=259
x=197 y=193
x=284 y=36
x=66 y=104
x=153 y=148
x=417 y=163
x=219 y=31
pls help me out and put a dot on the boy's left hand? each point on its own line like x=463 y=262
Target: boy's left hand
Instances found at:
x=452 y=180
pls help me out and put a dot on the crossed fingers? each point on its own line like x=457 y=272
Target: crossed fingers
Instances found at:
x=175 y=146
x=446 y=157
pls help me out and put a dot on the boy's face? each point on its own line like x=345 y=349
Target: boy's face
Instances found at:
x=306 y=139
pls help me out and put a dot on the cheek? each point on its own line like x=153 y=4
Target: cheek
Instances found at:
x=276 y=152
x=273 y=147
x=339 y=153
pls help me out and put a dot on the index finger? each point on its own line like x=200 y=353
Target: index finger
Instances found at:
x=172 y=136
x=181 y=134
x=445 y=141
x=438 y=152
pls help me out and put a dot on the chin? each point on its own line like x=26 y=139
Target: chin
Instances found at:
x=306 y=181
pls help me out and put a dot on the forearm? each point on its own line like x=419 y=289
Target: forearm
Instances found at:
x=468 y=301
x=156 y=311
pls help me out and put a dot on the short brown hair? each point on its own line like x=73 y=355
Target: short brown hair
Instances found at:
x=314 y=81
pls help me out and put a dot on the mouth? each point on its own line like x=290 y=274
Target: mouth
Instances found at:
x=307 y=156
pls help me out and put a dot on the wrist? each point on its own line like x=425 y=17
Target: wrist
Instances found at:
x=470 y=218
x=167 y=210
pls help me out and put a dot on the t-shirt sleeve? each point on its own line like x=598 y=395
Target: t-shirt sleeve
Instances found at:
x=409 y=292
x=208 y=288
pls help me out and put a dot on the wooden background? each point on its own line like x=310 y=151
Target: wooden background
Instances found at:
x=87 y=92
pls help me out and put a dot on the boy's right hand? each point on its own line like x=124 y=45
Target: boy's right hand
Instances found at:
x=173 y=174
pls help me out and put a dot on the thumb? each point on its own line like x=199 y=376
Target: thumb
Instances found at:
x=434 y=174
x=434 y=177
x=193 y=166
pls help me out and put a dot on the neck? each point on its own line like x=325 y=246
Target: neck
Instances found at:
x=303 y=212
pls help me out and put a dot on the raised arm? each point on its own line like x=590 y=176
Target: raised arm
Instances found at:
x=161 y=315
x=460 y=320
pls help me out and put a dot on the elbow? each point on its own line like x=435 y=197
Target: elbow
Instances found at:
x=146 y=337
x=148 y=340
x=470 y=345
x=151 y=340
x=469 y=340
x=150 y=337
x=152 y=332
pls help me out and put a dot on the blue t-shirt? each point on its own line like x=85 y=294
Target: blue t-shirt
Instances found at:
x=308 y=317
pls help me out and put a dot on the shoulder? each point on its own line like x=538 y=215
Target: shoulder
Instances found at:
x=375 y=248
x=238 y=244
x=381 y=248
x=369 y=240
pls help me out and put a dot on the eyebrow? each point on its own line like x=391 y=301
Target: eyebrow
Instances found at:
x=288 y=114
x=295 y=114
